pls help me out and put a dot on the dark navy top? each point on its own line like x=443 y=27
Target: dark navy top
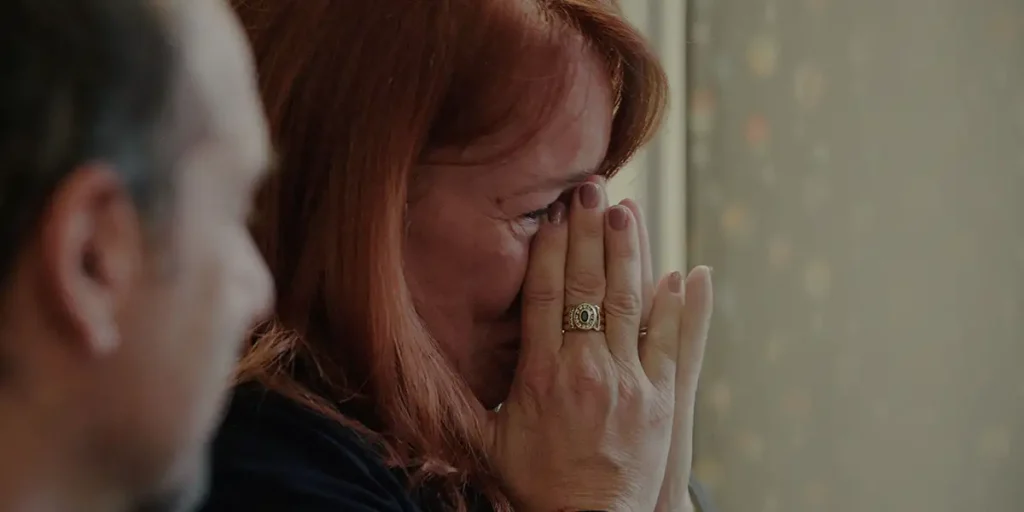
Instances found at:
x=274 y=455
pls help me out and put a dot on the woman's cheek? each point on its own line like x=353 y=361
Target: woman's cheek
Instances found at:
x=508 y=273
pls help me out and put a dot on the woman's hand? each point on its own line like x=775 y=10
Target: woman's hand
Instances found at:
x=675 y=489
x=589 y=420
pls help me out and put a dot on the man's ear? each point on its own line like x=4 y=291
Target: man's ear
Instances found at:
x=91 y=255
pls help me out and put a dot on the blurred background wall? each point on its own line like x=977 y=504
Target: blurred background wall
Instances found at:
x=854 y=172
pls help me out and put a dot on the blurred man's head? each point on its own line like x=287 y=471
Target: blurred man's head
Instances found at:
x=131 y=137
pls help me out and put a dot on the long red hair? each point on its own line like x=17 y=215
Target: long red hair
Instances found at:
x=357 y=93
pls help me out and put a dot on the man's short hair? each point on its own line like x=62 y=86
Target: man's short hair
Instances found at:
x=81 y=81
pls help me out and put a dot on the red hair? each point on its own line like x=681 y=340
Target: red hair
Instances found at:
x=357 y=92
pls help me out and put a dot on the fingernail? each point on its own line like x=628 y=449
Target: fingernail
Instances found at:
x=590 y=195
x=556 y=213
x=675 y=282
x=618 y=217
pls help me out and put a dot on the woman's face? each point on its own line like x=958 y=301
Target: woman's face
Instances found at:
x=470 y=230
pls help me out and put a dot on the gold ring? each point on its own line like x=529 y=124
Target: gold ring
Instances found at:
x=582 y=317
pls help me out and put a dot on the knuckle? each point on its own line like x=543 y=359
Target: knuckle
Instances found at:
x=623 y=303
x=631 y=389
x=585 y=282
x=588 y=377
x=542 y=294
x=590 y=225
x=537 y=381
x=623 y=247
x=655 y=406
x=587 y=381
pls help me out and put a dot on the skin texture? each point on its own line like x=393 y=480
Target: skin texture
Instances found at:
x=120 y=336
x=470 y=230
x=599 y=409
x=470 y=236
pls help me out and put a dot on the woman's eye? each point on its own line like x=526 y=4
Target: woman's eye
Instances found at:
x=536 y=215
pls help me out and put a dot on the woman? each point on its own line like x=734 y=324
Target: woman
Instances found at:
x=439 y=206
